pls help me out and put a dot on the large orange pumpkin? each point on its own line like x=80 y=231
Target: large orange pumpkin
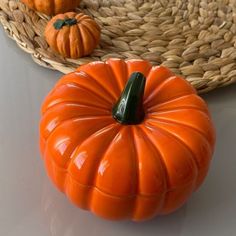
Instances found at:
x=72 y=35
x=52 y=7
x=126 y=155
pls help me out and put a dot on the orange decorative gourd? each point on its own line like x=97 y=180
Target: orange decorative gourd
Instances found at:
x=126 y=155
x=72 y=35
x=52 y=7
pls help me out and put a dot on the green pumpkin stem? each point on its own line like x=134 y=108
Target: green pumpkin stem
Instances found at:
x=66 y=22
x=129 y=108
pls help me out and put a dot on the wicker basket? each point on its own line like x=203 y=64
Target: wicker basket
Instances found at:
x=194 y=38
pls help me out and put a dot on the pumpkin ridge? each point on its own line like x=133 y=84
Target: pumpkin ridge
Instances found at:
x=93 y=23
x=159 y=196
x=65 y=45
x=198 y=156
x=114 y=77
x=74 y=102
x=177 y=186
x=115 y=196
x=76 y=118
x=49 y=28
x=47 y=117
x=107 y=102
x=94 y=185
x=160 y=87
x=175 y=110
x=57 y=100
x=69 y=39
x=77 y=104
x=160 y=105
x=157 y=75
x=179 y=108
x=140 y=135
x=89 y=77
x=136 y=164
x=75 y=146
x=133 y=64
x=106 y=129
x=157 y=89
x=86 y=41
x=81 y=46
x=78 y=74
x=178 y=140
x=81 y=40
x=164 y=168
x=89 y=31
x=82 y=16
x=75 y=42
x=94 y=29
x=162 y=110
x=114 y=96
x=121 y=84
x=184 y=126
x=116 y=139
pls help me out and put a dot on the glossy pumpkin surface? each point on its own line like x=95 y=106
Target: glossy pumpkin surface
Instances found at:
x=72 y=35
x=52 y=7
x=125 y=171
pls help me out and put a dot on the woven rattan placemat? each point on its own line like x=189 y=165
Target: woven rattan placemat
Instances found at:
x=194 y=38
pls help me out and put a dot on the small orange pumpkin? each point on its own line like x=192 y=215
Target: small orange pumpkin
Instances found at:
x=72 y=35
x=126 y=155
x=52 y=7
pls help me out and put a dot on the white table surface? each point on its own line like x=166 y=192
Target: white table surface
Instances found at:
x=30 y=205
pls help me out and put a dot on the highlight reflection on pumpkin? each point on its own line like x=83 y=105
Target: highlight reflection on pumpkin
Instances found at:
x=126 y=140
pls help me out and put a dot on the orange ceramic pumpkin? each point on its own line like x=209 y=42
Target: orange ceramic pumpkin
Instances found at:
x=126 y=155
x=52 y=7
x=72 y=35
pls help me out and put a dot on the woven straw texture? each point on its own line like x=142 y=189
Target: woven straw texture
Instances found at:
x=194 y=38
